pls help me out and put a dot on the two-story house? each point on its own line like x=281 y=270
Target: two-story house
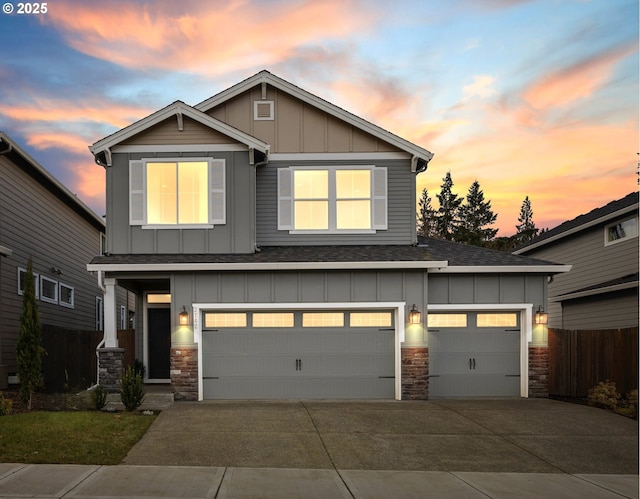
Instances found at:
x=42 y=220
x=601 y=291
x=270 y=238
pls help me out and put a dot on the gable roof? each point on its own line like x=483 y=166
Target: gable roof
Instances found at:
x=102 y=148
x=39 y=173
x=420 y=155
x=612 y=210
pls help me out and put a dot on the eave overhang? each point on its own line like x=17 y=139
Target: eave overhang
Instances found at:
x=103 y=148
x=503 y=269
x=268 y=266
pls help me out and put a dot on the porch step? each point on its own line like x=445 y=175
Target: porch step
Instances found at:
x=152 y=402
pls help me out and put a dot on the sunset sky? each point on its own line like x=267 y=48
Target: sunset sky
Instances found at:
x=531 y=98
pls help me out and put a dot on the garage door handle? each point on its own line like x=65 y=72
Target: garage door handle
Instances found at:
x=511 y=375
x=474 y=363
x=469 y=363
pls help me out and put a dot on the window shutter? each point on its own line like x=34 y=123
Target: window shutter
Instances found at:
x=217 y=191
x=137 y=201
x=285 y=199
x=380 y=199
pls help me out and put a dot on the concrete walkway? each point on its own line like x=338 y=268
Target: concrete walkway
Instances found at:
x=102 y=482
x=454 y=448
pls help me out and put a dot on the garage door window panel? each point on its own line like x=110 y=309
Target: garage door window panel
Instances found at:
x=323 y=319
x=225 y=320
x=370 y=319
x=272 y=319
x=446 y=320
x=497 y=320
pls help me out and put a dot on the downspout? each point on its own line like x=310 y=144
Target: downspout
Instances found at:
x=255 y=194
x=101 y=344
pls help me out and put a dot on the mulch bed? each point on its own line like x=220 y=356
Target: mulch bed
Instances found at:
x=42 y=401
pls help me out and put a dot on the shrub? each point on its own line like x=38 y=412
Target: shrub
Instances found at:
x=99 y=397
x=5 y=405
x=604 y=395
x=131 y=389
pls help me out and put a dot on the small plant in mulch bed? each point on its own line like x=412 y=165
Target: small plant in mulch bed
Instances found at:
x=99 y=397
x=131 y=389
x=606 y=396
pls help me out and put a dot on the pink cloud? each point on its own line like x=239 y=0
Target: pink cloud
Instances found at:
x=234 y=35
x=58 y=110
x=576 y=82
x=89 y=182
x=59 y=140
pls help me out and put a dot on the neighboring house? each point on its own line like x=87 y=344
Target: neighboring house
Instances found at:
x=601 y=291
x=269 y=236
x=42 y=220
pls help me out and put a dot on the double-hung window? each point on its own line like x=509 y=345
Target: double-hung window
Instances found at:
x=177 y=192
x=332 y=200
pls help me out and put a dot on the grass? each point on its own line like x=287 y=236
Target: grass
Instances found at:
x=84 y=437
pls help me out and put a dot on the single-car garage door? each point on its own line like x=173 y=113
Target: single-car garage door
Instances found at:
x=298 y=354
x=474 y=354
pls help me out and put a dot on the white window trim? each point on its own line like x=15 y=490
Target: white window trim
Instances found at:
x=397 y=307
x=70 y=304
x=36 y=282
x=625 y=238
x=55 y=287
x=140 y=195
x=332 y=200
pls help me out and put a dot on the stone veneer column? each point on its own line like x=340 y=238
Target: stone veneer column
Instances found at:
x=110 y=368
x=184 y=372
x=538 y=371
x=415 y=373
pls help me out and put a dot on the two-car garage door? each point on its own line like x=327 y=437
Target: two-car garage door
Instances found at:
x=298 y=354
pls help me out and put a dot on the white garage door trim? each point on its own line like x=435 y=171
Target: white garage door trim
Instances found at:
x=526 y=329
x=397 y=307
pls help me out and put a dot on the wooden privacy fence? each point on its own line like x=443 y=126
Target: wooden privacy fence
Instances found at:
x=579 y=360
x=71 y=356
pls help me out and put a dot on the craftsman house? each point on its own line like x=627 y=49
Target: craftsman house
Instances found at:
x=270 y=239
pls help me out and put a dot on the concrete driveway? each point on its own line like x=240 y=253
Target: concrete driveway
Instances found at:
x=478 y=435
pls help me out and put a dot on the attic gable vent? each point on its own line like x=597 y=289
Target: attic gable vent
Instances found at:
x=263 y=110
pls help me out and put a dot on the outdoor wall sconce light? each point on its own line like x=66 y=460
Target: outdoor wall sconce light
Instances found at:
x=415 y=317
x=184 y=317
x=541 y=316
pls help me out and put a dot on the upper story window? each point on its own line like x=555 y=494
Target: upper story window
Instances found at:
x=177 y=192
x=332 y=200
x=621 y=231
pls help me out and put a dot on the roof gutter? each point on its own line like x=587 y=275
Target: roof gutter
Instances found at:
x=213 y=266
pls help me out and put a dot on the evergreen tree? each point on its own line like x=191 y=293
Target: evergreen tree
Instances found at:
x=426 y=216
x=447 y=215
x=475 y=216
x=28 y=349
x=526 y=230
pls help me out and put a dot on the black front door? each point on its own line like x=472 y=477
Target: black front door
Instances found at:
x=159 y=337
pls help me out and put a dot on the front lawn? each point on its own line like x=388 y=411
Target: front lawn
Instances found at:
x=83 y=437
